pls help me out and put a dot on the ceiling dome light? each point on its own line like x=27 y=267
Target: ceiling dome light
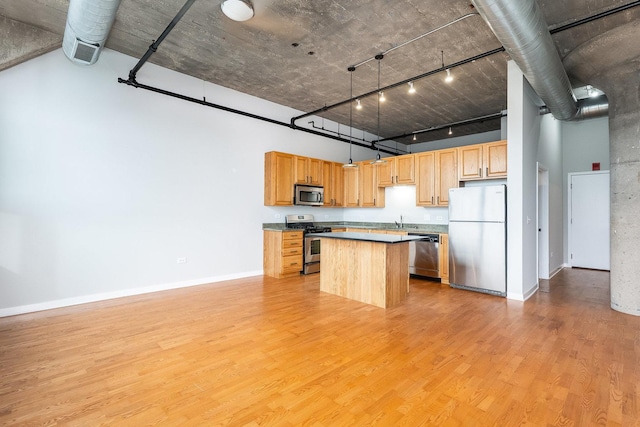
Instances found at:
x=449 y=77
x=238 y=10
x=411 y=88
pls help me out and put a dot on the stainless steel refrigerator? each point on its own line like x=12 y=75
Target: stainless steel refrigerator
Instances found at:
x=478 y=239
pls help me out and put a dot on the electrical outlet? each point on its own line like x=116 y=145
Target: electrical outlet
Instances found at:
x=439 y=217
x=277 y=216
x=427 y=217
x=181 y=260
x=326 y=217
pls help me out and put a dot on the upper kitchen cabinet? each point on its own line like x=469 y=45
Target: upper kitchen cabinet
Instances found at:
x=436 y=173
x=482 y=161
x=371 y=195
x=333 y=178
x=351 y=187
x=398 y=170
x=308 y=171
x=278 y=178
x=446 y=175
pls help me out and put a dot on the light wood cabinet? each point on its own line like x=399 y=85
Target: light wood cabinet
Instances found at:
x=398 y=170
x=426 y=182
x=482 y=161
x=446 y=175
x=282 y=253
x=333 y=177
x=443 y=256
x=436 y=173
x=308 y=170
x=370 y=195
x=278 y=179
x=351 y=187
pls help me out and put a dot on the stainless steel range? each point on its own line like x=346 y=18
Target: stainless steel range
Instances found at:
x=311 y=244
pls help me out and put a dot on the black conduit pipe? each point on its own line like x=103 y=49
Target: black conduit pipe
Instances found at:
x=240 y=112
x=400 y=83
x=154 y=46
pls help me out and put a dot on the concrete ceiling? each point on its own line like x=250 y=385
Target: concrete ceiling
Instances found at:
x=296 y=53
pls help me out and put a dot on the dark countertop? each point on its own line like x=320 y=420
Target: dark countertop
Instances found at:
x=410 y=228
x=367 y=237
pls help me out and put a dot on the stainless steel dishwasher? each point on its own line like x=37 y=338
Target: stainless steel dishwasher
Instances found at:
x=424 y=259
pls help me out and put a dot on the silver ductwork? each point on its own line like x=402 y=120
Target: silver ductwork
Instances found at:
x=523 y=31
x=87 y=28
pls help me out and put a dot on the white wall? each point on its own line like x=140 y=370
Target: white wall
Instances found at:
x=103 y=186
x=550 y=156
x=523 y=132
x=583 y=143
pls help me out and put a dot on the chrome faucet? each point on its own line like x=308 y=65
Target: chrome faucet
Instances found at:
x=399 y=225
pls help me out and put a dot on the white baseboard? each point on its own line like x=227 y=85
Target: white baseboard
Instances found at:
x=558 y=270
x=66 y=302
x=517 y=296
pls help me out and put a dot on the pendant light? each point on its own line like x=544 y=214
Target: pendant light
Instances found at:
x=350 y=164
x=378 y=159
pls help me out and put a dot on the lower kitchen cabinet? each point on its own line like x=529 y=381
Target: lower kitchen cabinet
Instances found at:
x=282 y=253
x=443 y=256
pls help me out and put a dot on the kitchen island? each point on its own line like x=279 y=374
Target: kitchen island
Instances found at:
x=370 y=268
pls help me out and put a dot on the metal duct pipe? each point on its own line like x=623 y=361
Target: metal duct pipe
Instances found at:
x=588 y=108
x=522 y=30
x=87 y=28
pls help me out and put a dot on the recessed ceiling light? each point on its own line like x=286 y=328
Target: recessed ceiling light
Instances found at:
x=238 y=10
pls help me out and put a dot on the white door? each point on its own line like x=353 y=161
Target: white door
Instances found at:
x=589 y=220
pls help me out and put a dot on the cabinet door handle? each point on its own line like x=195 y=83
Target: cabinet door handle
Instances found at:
x=438 y=199
x=480 y=172
x=431 y=199
x=396 y=179
x=487 y=169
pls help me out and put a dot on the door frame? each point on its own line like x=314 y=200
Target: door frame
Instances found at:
x=542 y=222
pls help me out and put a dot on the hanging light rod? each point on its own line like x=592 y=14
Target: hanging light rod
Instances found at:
x=468 y=15
x=447 y=125
x=400 y=83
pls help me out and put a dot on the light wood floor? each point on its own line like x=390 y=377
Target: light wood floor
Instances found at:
x=262 y=351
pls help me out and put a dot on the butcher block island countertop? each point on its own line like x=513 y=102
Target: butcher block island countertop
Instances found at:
x=366 y=267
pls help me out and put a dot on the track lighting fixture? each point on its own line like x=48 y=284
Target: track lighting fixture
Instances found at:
x=449 y=77
x=238 y=10
x=450 y=132
x=411 y=88
x=414 y=137
x=592 y=92
x=358 y=105
x=381 y=98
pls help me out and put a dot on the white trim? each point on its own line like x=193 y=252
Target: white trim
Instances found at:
x=523 y=297
x=66 y=302
x=558 y=270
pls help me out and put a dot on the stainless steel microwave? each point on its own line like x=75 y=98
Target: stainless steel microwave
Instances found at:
x=308 y=196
